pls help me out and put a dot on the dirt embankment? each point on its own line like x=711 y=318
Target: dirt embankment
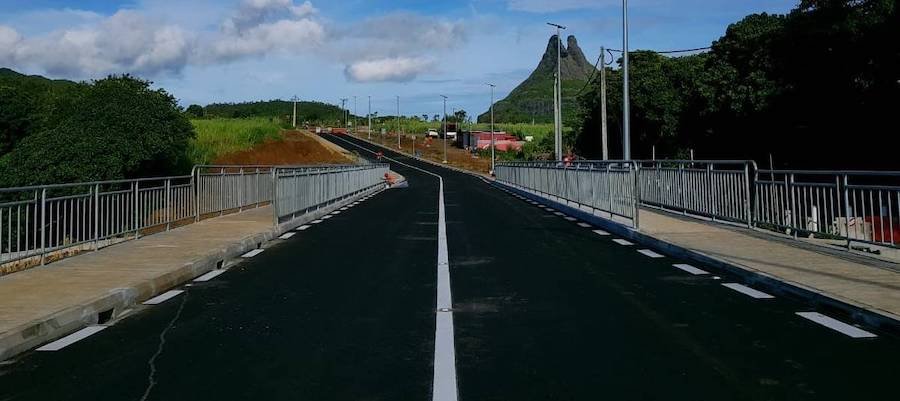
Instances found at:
x=296 y=147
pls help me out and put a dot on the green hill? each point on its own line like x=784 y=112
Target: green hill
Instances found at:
x=314 y=112
x=532 y=100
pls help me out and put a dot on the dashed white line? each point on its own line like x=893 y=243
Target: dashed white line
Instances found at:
x=559 y=213
x=569 y=218
x=750 y=292
x=651 y=254
x=303 y=227
x=210 y=275
x=326 y=217
x=837 y=325
x=317 y=221
x=622 y=242
x=601 y=232
x=286 y=235
x=163 y=297
x=336 y=212
x=690 y=269
x=584 y=225
x=72 y=338
x=252 y=253
x=344 y=208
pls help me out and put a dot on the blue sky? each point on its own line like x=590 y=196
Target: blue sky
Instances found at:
x=206 y=51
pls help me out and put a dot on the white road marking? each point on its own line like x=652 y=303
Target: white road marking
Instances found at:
x=622 y=242
x=585 y=225
x=837 y=325
x=303 y=227
x=690 y=269
x=287 y=235
x=570 y=218
x=252 y=253
x=743 y=289
x=551 y=210
x=72 y=338
x=559 y=213
x=163 y=297
x=326 y=217
x=601 y=232
x=336 y=212
x=317 y=221
x=345 y=208
x=649 y=253
x=210 y=275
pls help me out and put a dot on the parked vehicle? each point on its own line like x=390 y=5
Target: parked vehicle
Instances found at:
x=433 y=133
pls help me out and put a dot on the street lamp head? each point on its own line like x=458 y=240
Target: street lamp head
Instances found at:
x=556 y=25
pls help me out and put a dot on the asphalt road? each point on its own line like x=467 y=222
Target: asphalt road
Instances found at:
x=543 y=309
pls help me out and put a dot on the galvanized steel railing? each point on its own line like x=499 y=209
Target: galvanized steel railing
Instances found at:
x=38 y=222
x=713 y=189
x=859 y=206
x=609 y=187
x=300 y=190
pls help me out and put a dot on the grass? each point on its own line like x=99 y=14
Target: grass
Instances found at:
x=220 y=136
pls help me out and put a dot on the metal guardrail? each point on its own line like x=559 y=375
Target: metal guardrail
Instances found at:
x=717 y=189
x=609 y=186
x=300 y=190
x=859 y=206
x=38 y=221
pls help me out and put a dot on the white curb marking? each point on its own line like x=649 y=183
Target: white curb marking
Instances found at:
x=601 y=232
x=690 y=269
x=837 y=325
x=303 y=227
x=252 y=253
x=623 y=242
x=287 y=235
x=72 y=338
x=649 y=253
x=210 y=275
x=163 y=297
x=743 y=289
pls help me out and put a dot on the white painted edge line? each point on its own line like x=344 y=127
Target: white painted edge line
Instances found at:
x=585 y=225
x=252 y=253
x=336 y=212
x=345 y=208
x=837 y=325
x=72 y=338
x=750 y=292
x=317 y=221
x=690 y=269
x=601 y=232
x=210 y=275
x=326 y=217
x=569 y=218
x=287 y=235
x=303 y=227
x=551 y=210
x=163 y=297
x=623 y=242
x=559 y=213
x=649 y=253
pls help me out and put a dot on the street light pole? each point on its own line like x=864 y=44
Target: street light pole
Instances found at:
x=344 y=111
x=626 y=108
x=445 y=128
x=558 y=100
x=369 y=115
x=398 y=122
x=492 y=128
x=354 y=114
x=603 y=132
x=294 y=118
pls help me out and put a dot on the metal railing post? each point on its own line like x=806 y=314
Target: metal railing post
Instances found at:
x=274 y=196
x=847 y=209
x=43 y=225
x=240 y=191
x=747 y=187
x=790 y=182
x=135 y=190
x=96 y=216
x=195 y=188
x=168 y=204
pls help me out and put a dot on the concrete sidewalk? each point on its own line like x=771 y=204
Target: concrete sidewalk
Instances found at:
x=43 y=303
x=863 y=282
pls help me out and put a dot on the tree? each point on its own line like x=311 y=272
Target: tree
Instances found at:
x=116 y=127
x=195 y=110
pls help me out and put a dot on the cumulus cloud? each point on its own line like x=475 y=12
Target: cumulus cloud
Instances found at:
x=259 y=28
x=396 y=69
x=9 y=40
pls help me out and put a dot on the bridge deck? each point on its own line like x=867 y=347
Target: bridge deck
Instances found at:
x=542 y=308
x=857 y=280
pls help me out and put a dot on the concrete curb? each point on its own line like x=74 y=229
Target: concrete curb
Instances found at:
x=850 y=309
x=51 y=327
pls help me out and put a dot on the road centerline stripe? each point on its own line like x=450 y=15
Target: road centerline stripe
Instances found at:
x=72 y=338
x=837 y=325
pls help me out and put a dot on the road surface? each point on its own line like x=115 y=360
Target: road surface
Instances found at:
x=543 y=308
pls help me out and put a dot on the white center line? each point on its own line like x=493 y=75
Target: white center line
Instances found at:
x=623 y=242
x=837 y=325
x=72 y=338
x=163 y=297
x=287 y=235
x=649 y=253
x=210 y=275
x=601 y=232
x=252 y=253
x=743 y=289
x=690 y=269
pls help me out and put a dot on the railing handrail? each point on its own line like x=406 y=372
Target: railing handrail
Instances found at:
x=92 y=183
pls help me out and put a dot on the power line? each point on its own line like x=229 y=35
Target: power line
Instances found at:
x=594 y=72
x=667 y=51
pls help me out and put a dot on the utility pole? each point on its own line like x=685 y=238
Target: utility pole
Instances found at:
x=626 y=108
x=603 y=133
x=369 y=115
x=398 y=122
x=344 y=111
x=492 y=128
x=558 y=92
x=445 y=128
x=294 y=119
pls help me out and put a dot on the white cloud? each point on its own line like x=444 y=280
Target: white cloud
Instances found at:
x=9 y=40
x=398 y=69
x=283 y=35
x=545 y=6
